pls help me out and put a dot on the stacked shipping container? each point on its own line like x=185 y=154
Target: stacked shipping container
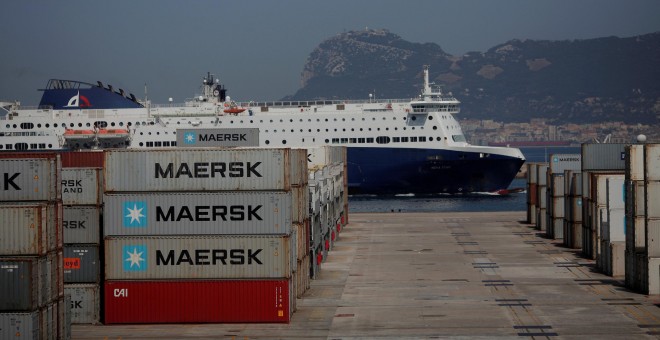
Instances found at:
x=556 y=193
x=250 y=205
x=31 y=283
x=82 y=197
x=573 y=209
x=541 y=195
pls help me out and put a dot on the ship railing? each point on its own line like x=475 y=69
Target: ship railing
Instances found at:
x=305 y=103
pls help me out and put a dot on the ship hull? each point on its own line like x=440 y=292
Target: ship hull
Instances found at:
x=391 y=171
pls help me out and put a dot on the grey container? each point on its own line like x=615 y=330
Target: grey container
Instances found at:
x=652 y=162
x=29 y=282
x=20 y=326
x=30 y=228
x=81 y=263
x=652 y=201
x=541 y=174
x=81 y=224
x=33 y=179
x=81 y=186
x=204 y=169
x=178 y=213
x=561 y=162
x=197 y=257
x=557 y=185
x=84 y=306
x=603 y=156
x=615 y=193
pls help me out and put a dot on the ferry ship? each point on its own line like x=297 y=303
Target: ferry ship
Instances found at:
x=395 y=146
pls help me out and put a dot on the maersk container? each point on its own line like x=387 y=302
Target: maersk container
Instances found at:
x=29 y=282
x=84 y=305
x=204 y=169
x=615 y=192
x=652 y=201
x=576 y=208
x=325 y=155
x=197 y=257
x=81 y=186
x=652 y=162
x=30 y=179
x=81 y=263
x=15 y=325
x=561 y=162
x=81 y=224
x=576 y=184
x=30 y=228
x=219 y=213
x=599 y=187
x=199 y=301
x=635 y=162
x=603 y=156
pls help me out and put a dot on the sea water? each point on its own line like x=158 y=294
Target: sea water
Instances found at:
x=463 y=202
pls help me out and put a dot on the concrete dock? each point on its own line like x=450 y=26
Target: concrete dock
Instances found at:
x=439 y=275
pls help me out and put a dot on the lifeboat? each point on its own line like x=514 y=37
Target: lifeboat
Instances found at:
x=78 y=135
x=112 y=134
x=234 y=110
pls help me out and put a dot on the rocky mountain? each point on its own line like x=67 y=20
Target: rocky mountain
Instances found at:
x=579 y=81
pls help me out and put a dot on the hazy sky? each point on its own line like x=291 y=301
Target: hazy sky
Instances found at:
x=259 y=47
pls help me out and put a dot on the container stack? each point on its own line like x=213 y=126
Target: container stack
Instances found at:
x=531 y=192
x=611 y=260
x=573 y=209
x=541 y=196
x=328 y=205
x=652 y=214
x=555 y=192
x=221 y=233
x=31 y=284
x=636 y=252
x=82 y=198
x=597 y=159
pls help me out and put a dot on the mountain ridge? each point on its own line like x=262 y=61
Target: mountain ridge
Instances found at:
x=580 y=81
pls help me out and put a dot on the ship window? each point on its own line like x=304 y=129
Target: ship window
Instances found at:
x=38 y=125
x=353 y=140
x=327 y=141
x=438 y=139
x=413 y=118
x=33 y=145
x=47 y=125
x=42 y=145
x=430 y=117
x=50 y=146
x=149 y=133
x=150 y=144
x=120 y=124
x=377 y=129
x=1 y=146
x=7 y=126
x=413 y=139
x=360 y=129
x=166 y=143
x=382 y=139
x=291 y=130
x=158 y=144
x=344 y=130
x=174 y=143
x=361 y=140
x=281 y=121
x=404 y=139
x=27 y=126
x=396 y=139
x=335 y=140
x=435 y=127
x=370 y=140
x=101 y=124
x=70 y=124
x=141 y=144
x=21 y=146
x=343 y=119
x=344 y=140
x=14 y=126
x=458 y=138
x=9 y=146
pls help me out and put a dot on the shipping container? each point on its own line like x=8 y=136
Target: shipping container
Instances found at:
x=652 y=201
x=30 y=179
x=635 y=162
x=81 y=263
x=204 y=169
x=615 y=188
x=30 y=228
x=541 y=174
x=81 y=224
x=603 y=156
x=21 y=325
x=82 y=159
x=220 y=213
x=325 y=155
x=198 y=257
x=29 y=282
x=224 y=301
x=81 y=186
x=84 y=304
x=652 y=162
x=561 y=162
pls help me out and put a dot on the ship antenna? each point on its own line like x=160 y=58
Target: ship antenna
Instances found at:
x=427 y=85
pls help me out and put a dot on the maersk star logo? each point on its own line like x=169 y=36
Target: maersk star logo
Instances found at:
x=189 y=138
x=135 y=258
x=135 y=214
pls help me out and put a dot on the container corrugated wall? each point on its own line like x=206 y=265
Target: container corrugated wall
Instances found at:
x=85 y=303
x=177 y=213
x=561 y=162
x=198 y=301
x=652 y=162
x=603 y=156
x=30 y=228
x=81 y=263
x=30 y=179
x=199 y=257
x=25 y=325
x=27 y=282
x=81 y=224
x=81 y=186
x=82 y=159
x=204 y=170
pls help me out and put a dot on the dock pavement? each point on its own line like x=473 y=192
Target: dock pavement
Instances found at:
x=470 y=275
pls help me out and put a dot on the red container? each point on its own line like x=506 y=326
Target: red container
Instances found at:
x=222 y=301
x=82 y=159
